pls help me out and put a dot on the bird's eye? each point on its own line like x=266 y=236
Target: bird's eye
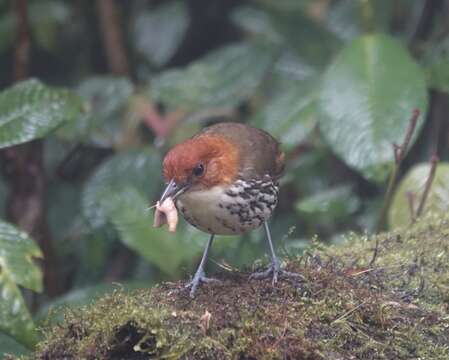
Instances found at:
x=198 y=170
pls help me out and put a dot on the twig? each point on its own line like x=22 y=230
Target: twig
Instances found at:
x=399 y=152
x=112 y=37
x=22 y=50
x=349 y=312
x=433 y=166
x=160 y=125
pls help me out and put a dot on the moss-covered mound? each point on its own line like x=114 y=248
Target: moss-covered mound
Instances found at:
x=342 y=309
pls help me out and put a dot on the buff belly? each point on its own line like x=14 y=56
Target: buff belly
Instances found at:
x=229 y=210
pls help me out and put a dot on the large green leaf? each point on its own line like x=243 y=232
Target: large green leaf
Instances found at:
x=30 y=110
x=345 y=21
x=367 y=97
x=222 y=79
x=335 y=203
x=157 y=33
x=139 y=169
x=17 y=251
x=414 y=184
x=290 y=28
x=256 y=21
x=127 y=209
x=107 y=98
x=9 y=346
x=290 y=116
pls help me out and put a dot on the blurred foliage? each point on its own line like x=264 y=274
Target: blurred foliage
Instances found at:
x=17 y=251
x=335 y=81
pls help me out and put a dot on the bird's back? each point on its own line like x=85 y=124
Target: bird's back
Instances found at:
x=259 y=151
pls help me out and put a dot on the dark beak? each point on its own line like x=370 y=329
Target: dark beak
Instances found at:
x=173 y=190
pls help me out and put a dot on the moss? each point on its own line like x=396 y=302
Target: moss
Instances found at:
x=342 y=308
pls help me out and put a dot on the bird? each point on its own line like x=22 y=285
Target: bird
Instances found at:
x=224 y=181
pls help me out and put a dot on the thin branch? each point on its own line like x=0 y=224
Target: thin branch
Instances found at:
x=161 y=125
x=111 y=31
x=399 y=152
x=22 y=49
x=433 y=166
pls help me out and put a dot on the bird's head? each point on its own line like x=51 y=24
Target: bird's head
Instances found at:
x=200 y=163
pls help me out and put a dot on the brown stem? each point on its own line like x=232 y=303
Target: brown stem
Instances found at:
x=433 y=166
x=23 y=167
x=161 y=125
x=22 y=50
x=399 y=152
x=111 y=31
x=26 y=203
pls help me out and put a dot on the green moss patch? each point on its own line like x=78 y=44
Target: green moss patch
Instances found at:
x=342 y=308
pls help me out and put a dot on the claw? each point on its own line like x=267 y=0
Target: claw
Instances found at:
x=197 y=279
x=276 y=271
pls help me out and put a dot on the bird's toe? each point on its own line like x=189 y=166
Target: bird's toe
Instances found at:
x=196 y=281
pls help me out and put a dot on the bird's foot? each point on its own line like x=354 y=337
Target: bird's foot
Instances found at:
x=199 y=278
x=276 y=272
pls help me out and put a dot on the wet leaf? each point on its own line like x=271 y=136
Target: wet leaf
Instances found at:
x=107 y=98
x=367 y=97
x=222 y=79
x=30 y=110
x=11 y=347
x=256 y=21
x=140 y=169
x=290 y=116
x=127 y=209
x=157 y=33
x=335 y=203
x=17 y=266
x=414 y=184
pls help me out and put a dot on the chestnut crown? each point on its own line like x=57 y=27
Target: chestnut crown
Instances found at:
x=204 y=161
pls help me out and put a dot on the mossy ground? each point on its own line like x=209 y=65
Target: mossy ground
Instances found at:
x=341 y=309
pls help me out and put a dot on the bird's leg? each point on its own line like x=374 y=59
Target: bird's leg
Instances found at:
x=275 y=267
x=200 y=275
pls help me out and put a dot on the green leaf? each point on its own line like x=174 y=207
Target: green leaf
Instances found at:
x=345 y=21
x=290 y=116
x=107 y=98
x=367 y=97
x=222 y=79
x=256 y=21
x=291 y=29
x=139 y=169
x=157 y=33
x=46 y=18
x=9 y=346
x=17 y=252
x=414 y=183
x=127 y=209
x=336 y=203
x=30 y=110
